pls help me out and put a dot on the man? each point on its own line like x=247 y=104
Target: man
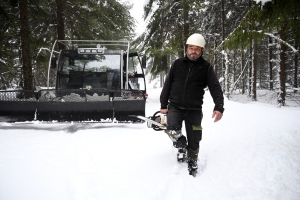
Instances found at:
x=182 y=98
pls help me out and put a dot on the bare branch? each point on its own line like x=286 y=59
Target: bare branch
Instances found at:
x=283 y=42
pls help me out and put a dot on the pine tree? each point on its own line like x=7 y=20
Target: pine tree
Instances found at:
x=46 y=21
x=261 y=20
x=170 y=24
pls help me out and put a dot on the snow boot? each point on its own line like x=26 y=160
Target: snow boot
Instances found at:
x=192 y=167
x=192 y=161
x=181 y=155
x=181 y=145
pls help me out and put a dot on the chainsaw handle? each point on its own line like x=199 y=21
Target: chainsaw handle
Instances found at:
x=154 y=115
x=156 y=128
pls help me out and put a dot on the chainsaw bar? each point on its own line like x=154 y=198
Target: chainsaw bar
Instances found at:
x=150 y=122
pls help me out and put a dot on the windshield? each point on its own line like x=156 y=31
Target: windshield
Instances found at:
x=93 y=63
x=89 y=71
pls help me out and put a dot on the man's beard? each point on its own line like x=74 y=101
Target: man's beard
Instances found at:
x=193 y=58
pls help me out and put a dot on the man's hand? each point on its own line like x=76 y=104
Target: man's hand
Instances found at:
x=130 y=75
x=217 y=115
x=163 y=111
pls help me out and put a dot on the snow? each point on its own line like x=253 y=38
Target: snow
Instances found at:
x=252 y=153
x=262 y=1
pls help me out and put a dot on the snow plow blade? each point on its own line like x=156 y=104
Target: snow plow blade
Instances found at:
x=71 y=105
x=17 y=105
x=129 y=102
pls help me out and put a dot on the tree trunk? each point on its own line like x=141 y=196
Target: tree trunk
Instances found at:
x=226 y=75
x=162 y=81
x=25 y=45
x=296 y=70
x=250 y=61
x=234 y=67
x=250 y=78
x=223 y=39
x=186 y=26
x=270 y=64
x=214 y=55
x=244 y=77
x=281 y=99
x=60 y=22
x=254 y=71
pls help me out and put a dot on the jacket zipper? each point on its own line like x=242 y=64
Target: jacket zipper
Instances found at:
x=184 y=88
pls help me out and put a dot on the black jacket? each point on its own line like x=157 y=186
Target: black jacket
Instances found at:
x=185 y=83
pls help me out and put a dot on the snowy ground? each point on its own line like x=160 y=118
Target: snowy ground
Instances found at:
x=252 y=153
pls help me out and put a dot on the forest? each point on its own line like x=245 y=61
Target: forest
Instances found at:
x=253 y=45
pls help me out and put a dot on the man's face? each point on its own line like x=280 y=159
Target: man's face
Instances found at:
x=193 y=52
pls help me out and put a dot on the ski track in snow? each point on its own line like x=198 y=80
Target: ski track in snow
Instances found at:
x=252 y=153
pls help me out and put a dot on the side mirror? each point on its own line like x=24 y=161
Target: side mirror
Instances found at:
x=144 y=61
x=53 y=63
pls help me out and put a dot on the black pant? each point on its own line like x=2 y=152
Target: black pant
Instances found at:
x=192 y=119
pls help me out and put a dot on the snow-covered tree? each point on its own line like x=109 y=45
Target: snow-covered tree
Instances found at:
x=46 y=22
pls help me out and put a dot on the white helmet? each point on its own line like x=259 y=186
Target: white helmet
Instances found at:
x=196 y=39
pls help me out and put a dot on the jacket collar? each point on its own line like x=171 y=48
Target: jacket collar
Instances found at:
x=200 y=59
